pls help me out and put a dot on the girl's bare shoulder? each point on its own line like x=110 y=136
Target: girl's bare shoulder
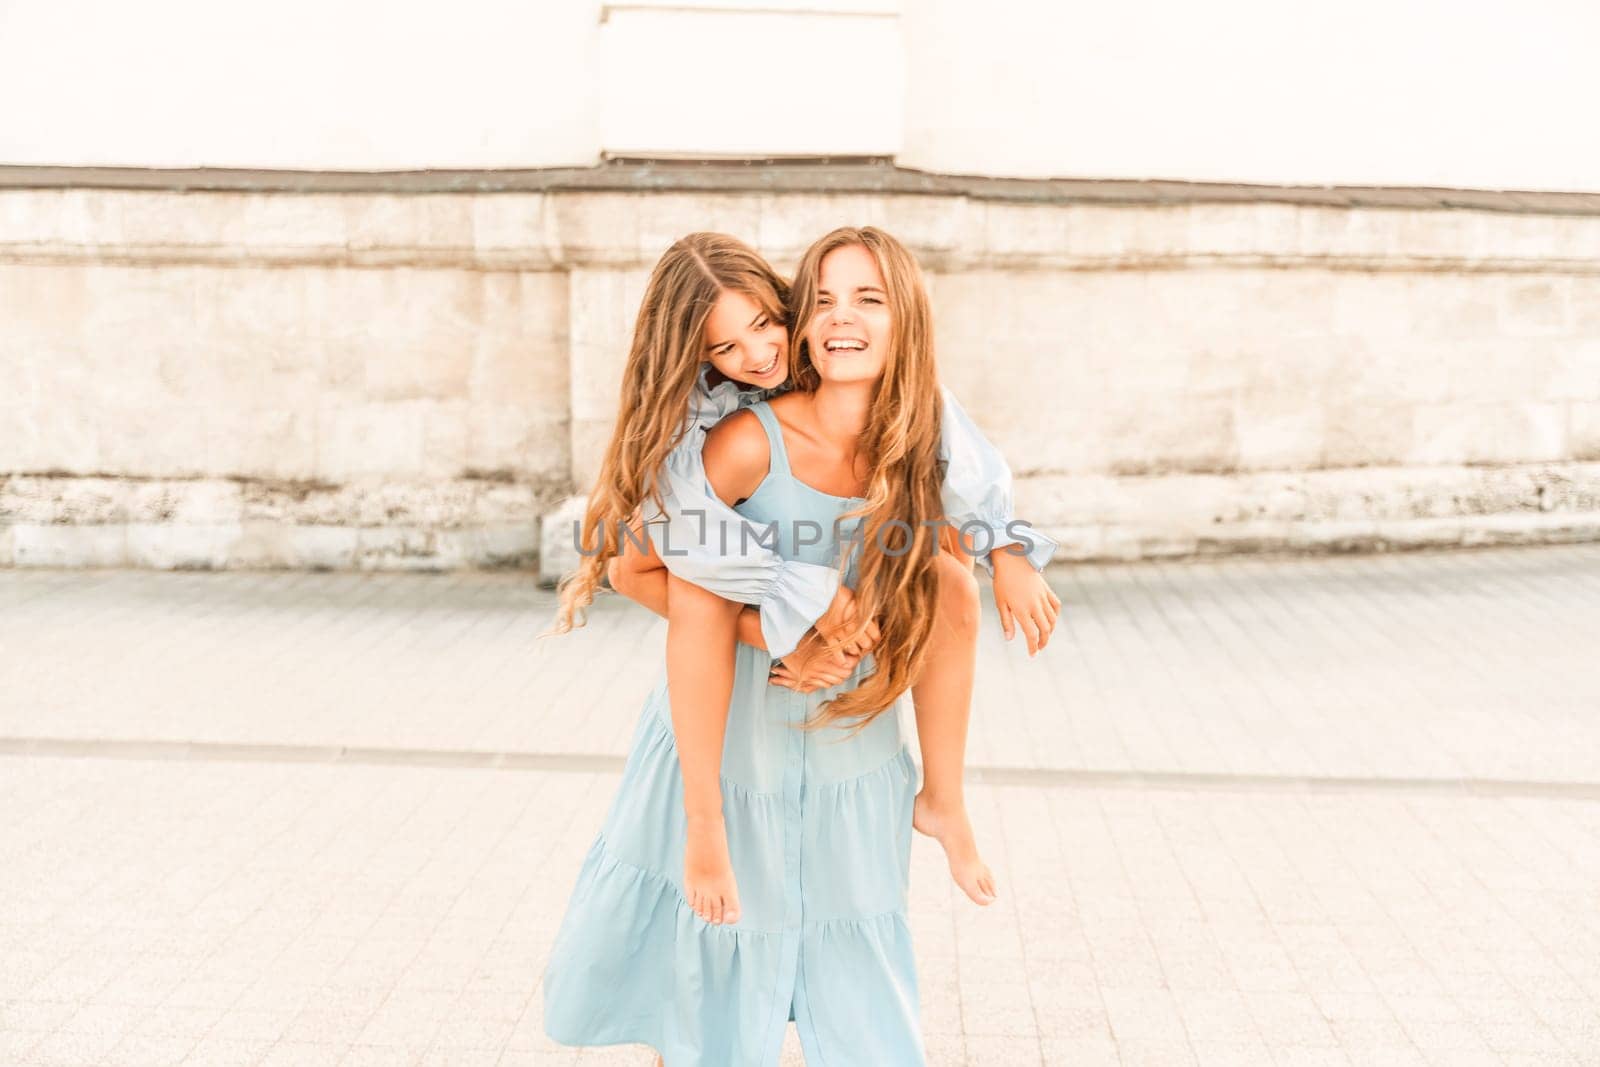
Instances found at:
x=736 y=456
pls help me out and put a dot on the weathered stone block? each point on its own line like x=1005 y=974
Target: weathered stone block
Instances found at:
x=1167 y=432
x=1014 y=232
x=1583 y=430
x=1366 y=434
x=665 y=217
x=165 y=441
x=791 y=222
x=370 y=440
x=181 y=546
x=1537 y=306
x=398 y=548
x=596 y=230
x=1274 y=440
x=510 y=225
x=58 y=545
x=200 y=504
x=511 y=545
x=31 y=217
x=1452 y=307
x=604 y=305
x=20 y=449
x=311 y=223
x=445 y=432
x=1586 y=305
x=275 y=444
x=1572 y=369
x=508 y=441
x=942 y=232
x=1357 y=234
x=1440 y=235
x=1420 y=532
x=1374 y=305
x=408 y=224
x=320 y=547
x=519 y=350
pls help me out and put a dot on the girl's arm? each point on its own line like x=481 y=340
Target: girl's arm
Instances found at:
x=977 y=490
x=639 y=575
x=977 y=493
x=701 y=539
x=642 y=578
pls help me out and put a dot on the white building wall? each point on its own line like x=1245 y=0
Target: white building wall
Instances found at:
x=1371 y=92
x=299 y=84
x=1364 y=92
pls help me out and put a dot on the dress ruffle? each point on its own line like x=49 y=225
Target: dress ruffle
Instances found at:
x=632 y=962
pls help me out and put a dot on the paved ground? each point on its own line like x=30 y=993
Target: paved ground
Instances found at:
x=1331 y=811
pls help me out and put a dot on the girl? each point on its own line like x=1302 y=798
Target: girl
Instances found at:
x=713 y=288
x=630 y=963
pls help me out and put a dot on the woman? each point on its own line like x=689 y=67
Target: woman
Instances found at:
x=819 y=821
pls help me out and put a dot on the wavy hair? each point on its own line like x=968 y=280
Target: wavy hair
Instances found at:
x=663 y=363
x=895 y=580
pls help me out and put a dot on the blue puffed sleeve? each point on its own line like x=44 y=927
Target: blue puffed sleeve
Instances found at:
x=700 y=540
x=977 y=489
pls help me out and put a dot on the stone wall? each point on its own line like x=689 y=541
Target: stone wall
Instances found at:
x=275 y=377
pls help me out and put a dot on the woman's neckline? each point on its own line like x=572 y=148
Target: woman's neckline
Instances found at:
x=789 y=473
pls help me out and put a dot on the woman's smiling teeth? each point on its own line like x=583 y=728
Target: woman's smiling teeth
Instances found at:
x=845 y=345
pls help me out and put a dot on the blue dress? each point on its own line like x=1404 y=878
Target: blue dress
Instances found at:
x=819 y=830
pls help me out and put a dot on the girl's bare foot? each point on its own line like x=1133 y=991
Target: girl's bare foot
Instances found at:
x=948 y=824
x=708 y=871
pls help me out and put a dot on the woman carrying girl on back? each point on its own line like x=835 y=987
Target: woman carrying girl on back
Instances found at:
x=855 y=449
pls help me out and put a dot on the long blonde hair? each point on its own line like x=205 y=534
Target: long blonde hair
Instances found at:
x=663 y=363
x=900 y=445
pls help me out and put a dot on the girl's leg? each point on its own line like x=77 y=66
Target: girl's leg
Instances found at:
x=702 y=631
x=942 y=698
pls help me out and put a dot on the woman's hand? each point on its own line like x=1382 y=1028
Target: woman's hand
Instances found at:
x=811 y=666
x=842 y=625
x=1024 y=598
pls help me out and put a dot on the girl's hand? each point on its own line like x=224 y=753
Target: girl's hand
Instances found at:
x=1025 y=599
x=842 y=625
x=811 y=666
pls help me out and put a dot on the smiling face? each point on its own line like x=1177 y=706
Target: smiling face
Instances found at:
x=745 y=342
x=850 y=330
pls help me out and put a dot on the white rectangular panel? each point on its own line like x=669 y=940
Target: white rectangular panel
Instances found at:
x=712 y=84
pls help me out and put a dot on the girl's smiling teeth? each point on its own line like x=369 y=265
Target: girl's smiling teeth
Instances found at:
x=762 y=372
x=845 y=344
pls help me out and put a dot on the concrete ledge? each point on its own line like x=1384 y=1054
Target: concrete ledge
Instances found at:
x=549 y=230
x=1330 y=510
x=865 y=175
x=207 y=524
